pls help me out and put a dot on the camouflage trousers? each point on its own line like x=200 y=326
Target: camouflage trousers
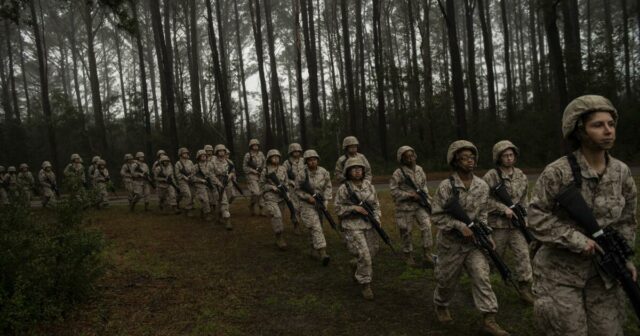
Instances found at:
x=405 y=220
x=451 y=261
x=566 y=310
x=311 y=220
x=136 y=189
x=102 y=194
x=146 y=191
x=185 y=199
x=514 y=240
x=363 y=245
x=47 y=196
x=4 y=197
x=275 y=210
x=221 y=204
x=166 y=196
x=202 y=195
x=27 y=194
x=256 y=194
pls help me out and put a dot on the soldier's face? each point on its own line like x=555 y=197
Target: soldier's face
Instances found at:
x=312 y=163
x=254 y=148
x=185 y=155
x=221 y=153
x=47 y=169
x=356 y=173
x=508 y=158
x=409 y=157
x=275 y=160
x=76 y=160
x=466 y=160
x=352 y=149
x=600 y=131
x=209 y=153
x=296 y=154
x=165 y=163
x=202 y=158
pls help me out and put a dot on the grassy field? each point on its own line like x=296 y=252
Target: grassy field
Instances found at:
x=172 y=275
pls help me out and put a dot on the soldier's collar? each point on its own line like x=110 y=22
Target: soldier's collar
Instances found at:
x=586 y=171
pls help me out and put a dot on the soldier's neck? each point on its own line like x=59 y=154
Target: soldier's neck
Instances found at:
x=506 y=170
x=465 y=176
x=596 y=158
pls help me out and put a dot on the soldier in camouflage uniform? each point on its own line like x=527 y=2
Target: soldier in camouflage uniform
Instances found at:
x=294 y=166
x=143 y=169
x=220 y=168
x=362 y=240
x=165 y=179
x=26 y=182
x=320 y=182
x=74 y=173
x=11 y=183
x=4 y=186
x=126 y=173
x=350 y=147
x=209 y=150
x=252 y=165
x=231 y=191
x=159 y=154
x=274 y=203
x=92 y=169
x=184 y=170
x=573 y=295
x=457 y=250
x=101 y=181
x=409 y=212
x=504 y=234
x=47 y=179
x=203 y=192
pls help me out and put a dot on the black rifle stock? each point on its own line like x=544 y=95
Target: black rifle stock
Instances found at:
x=518 y=220
x=322 y=210
x=423 y=198
x=284 y=193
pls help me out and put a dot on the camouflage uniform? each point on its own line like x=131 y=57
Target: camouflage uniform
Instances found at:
x=26 y=182
x=253 y=176
x=143 y=169
x=320 y=182
x=184 y=170
x=340 y=163
x=74 y=173
x=134 y=190
x=92 y=169
x=274 y=203
x=159 y=155
x=454 y=253
x=162 y=173
x=203 y=193
x=4 y=185
x=408 y=210
x=220 y=168
x=362 y=240
x=101 y=179
x=294 y=168
x=504 y=234
x=11 y=183
x=573 y=295
x=47 y=179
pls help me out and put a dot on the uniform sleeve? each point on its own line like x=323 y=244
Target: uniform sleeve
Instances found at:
x=264 y=186
x=628 y=222
x=301 y=194
x=328 y=188
x=544 y=223
x=395 y=181
x=343 y=205
x=42 y=178
x=494 y=206
x=377 y=211
x=439 y=216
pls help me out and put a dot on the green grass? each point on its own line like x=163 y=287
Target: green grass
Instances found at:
x=172 y=275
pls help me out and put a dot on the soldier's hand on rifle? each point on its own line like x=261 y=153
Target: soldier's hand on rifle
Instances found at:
x=232 y=176
x=632 y=269
x=590 y=248
x=508 y=213
x=467 y=233
x=414 y=195
x=493 y=244
x=311 y=200
x=360 y=210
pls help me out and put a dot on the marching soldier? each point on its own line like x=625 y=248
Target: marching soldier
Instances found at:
x=184 y=170
x=48 y=184
x=294 y=166
x=209 y=150
x=144 y=179
x=274 y=203
x=350 y=147
x=573 y=295
x=220 y=168
x=457 y=250
x=318 y=179
x=412 y=208
x=362 y=240
x=252 y=165
x=11 y=183
x=163 y=174
x=26 y=182
x=504 y=234
x=159 y=154
x=92 y=168
x=4 y=186
x=101 y=181
x=204 y=183
x=232 y=193
x=74 y=173
x=126 y=173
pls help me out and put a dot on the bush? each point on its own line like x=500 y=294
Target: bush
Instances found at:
x=49 y=262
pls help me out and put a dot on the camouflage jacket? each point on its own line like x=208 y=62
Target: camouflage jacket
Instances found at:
x=339 y=171
x=400 y=191
x=294 y=169
x=320 y=182
x=268 y=187
x=259 y=161
x=516 y=184
x=46 y=179
x=344 y=208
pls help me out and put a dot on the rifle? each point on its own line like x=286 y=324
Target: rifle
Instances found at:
x=225 y=179
x=146 y=176
x=322 y=210
x=481 y=234
x=209 y=183
x=370 y=217
x=424 y=198
x=518 y=220
x=284 y=193
x=290 y=173
x=54 y=186
x=173 y=183
x=107 y=181
x=253 y=164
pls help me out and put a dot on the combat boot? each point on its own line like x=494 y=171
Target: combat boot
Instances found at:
x=408 y=259
x=443 y=314
x=227 y=223
x=324 y=257
x=491 y=327
x=282 y=245
x=524 y=287
x=427 y=259
x=367 y=293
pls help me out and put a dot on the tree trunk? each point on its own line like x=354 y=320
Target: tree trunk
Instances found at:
x=300 y=93
x=428 y=70
x=507 y=61
x=275 y=82
x=610 y=60
x=221 y=83
x=143 y=78
x=625 y=42
x=241 y=69
x=321 y=63
x=120 y=73
x=12 y=78
x=415 y=77
x=194 y=70
x=348 y=68
x=152 y=74
x=44 y=88
x=487 y=41
x=254 y=8
x=533 y=51
x=94 y=81
x=469 y=6
x=572 y=53
x=555 y=54
x=456 y=68
x=308 y=29
x=379 y=64
x=361 y=98
x=25 y=86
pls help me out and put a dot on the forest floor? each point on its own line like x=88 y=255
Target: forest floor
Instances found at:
x=173 y=275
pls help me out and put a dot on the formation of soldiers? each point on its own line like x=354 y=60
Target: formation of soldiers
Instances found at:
x=570 y=293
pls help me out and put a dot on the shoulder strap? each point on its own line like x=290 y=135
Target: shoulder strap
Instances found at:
x=575 y=170
x=499 y=172
x=454 y=190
